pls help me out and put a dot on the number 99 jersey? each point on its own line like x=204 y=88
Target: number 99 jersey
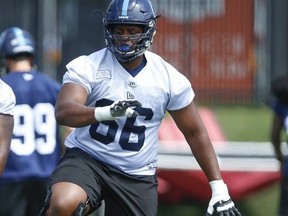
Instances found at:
x=128 y=144
x=35 y=147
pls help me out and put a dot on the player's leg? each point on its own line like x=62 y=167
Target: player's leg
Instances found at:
x=73 y=187
x=65 y=199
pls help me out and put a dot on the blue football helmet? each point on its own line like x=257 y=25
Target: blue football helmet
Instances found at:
x=15 y=41
x=129 y=12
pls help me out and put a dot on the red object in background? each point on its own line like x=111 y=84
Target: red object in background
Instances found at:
x=246 y=167
x=212 y=44
x=177 y=186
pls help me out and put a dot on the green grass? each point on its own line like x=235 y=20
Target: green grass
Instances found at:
x=239 y=123
x=262 y=203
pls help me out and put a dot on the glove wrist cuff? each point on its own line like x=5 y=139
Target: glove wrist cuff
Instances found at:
x=218 y=187
x=103 y=114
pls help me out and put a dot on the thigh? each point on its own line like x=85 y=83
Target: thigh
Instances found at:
x=75 y=169
x=127 y=195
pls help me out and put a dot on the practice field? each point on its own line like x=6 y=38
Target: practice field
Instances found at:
x=244 y=123
x=250 y=125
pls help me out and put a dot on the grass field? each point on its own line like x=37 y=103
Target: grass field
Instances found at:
x=239 y=123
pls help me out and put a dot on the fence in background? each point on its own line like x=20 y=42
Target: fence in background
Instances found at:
x=214 y=44
x=230 y=50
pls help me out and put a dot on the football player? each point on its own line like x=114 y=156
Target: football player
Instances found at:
x=279 y=127
x=116 y=98
x=35 y=147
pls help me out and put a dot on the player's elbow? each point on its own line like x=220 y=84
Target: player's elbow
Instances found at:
x=60 y=116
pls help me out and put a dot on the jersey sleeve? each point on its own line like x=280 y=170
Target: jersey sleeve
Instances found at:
x=181 y=90
x=80 y=71
x=7 y=99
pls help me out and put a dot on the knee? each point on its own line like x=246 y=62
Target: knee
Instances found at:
x=65 y=199
x=62 y=206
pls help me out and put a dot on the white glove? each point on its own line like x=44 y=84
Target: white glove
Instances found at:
x=221 y=203
x=120 y=108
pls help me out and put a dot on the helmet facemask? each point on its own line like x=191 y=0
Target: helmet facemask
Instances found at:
x=129 y=47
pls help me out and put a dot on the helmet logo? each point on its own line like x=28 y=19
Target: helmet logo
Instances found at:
x=14 y=42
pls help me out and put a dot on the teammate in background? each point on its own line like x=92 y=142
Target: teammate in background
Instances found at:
x=35 y=147
x=116 y=99
x=7 y=103
x=279 y=130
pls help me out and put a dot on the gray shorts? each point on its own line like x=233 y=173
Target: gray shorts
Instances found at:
x=124 y=195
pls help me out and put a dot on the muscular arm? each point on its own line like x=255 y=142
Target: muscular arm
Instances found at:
x=70 y=109
x=190 y=123
x=6 y=129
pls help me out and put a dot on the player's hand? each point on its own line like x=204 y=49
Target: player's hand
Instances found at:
x=224 y=208
x=120 y=108
x=221 y=203
x=124 y=108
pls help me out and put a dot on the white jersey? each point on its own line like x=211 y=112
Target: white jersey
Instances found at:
x=128 y=144
x=7 y=99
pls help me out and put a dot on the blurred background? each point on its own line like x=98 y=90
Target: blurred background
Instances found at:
x=230 y=50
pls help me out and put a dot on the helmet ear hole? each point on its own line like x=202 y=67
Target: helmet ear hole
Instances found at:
x=133 y=12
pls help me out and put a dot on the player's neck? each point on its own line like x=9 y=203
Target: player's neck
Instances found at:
x=131 y=65
x=20 y=66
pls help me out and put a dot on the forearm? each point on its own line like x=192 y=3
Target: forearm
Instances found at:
x=75 y=115
x=190 y=124
x=204 y=153
x=83 y=116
